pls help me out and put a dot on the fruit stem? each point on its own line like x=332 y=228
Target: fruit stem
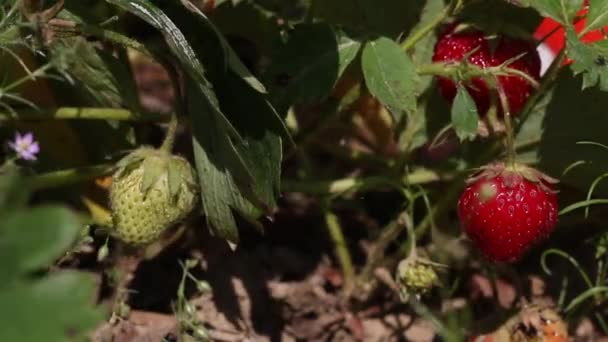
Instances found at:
x=389 y=234
x=340 y=249
x=114 y=37
x=84 y=113
x=69 y=176
x=169 y=141
x=411 y=235
x=509 y=139
x=339 y=186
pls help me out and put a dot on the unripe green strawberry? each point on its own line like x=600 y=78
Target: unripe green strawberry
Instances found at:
x=151 y=191
x=415 y=277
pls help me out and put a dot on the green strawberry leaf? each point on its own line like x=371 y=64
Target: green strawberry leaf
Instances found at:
x=591 y=60
x=499 y=17
x=464 y=115
x=597 y=17
x=180 y=46
x=422 y=52
x=221 y=191
x=231 y=57
x=33 y=239
x=389 y=18
x=248 y=23
x=554 y=148
x=310 y=63
x=390 y=75
x=13 y=189
x=562 y=11
x=226 y=187
x=58 y=308
x=236 y=139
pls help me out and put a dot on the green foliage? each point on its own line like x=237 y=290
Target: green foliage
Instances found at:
x=227 y=150
x=57 y=306
x=464 y=114
x=310 y=63
x=390 y=75
x=574 y=108
x=241 y=72
x=495 y=16
x=384 y=17
x=591 y=60
x=562 y=11
x=597 y=17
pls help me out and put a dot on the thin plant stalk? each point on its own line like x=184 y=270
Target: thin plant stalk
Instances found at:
x=340 y=248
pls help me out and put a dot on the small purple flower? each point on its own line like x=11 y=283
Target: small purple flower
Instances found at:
x=25 y=146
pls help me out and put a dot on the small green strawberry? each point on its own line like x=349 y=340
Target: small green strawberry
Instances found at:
x=415 y=276
x=151 y=191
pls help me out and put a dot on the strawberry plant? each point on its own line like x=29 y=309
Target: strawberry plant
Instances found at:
x=326 y=168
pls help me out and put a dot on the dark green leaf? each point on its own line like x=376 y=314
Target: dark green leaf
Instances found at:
x=79 y=59
x=32 y=239
x=232 y=59
x=253 y=31
x=573 y=115
x=562 y=11
x=390 y=76
x=500 y=17
x=423 y=50
x=13 y=189
x=221 y=191
x=58 y=308
x=180 y=46
x=384 y=17
x=589 y=59
x=597 y=17
x=310 y=64
x=236 y=133
x=464 y=115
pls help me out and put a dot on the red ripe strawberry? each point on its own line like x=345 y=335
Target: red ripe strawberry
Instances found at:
x=506 y=210
x=453 y=46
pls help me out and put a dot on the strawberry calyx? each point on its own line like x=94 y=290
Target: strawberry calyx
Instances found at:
x=156 y=163
x=513 y=173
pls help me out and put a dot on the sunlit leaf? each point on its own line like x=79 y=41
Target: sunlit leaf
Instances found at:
x=464 y=115
x=597 y=17
x=591 y=60
x=562 y=11
x=390 y=76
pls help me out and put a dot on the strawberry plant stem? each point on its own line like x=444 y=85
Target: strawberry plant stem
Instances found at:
x=82 y=113
x=30 y=76
x=341 y=248
x=467 y=71
x=69 y=176
x=169 y=141
x=338 y=186
x=430 y=26
x=114 y=37
x=389 y=233
x=509 y=138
